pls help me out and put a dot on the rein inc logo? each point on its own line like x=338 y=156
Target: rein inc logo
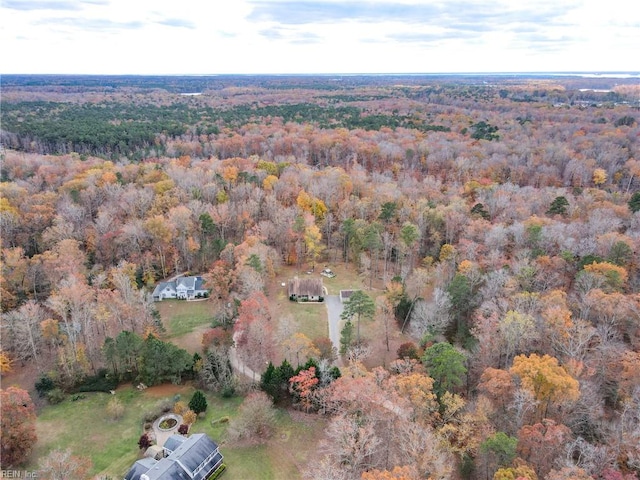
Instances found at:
x=18 y=474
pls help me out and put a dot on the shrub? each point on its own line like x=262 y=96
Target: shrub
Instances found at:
x=408 y=350
x=218 y=471
x=144 y=442
x=220 y=420
x=180 y=408
x=44 y=385
x=189 y=417
x=149 y=417
x=198 y=402
x=165 y=406
x=55 y=396
x=115 y=409
x=100 y=382
x=255 y=419
x=228 y=391
x=183 y=429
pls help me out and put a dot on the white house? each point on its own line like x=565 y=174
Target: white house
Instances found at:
x=184 y=288
x=194 y=458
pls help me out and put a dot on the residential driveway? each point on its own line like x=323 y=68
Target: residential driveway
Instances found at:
x=334 y=309
x=238 y=364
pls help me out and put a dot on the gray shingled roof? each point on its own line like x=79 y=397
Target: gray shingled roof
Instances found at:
x=311 y=287
x=189 y=453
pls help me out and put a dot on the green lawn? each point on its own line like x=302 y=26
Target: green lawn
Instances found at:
x=83 y=427
x=346 y=278
x=181 y=317
x=310 y=317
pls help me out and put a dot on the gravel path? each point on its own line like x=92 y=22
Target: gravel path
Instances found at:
x=239 y=365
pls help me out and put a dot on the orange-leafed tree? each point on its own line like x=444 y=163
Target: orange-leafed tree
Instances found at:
x=398 y=473
x=520 y=471
x=300 y=348
x=418 y=389
x=6 y=363
x=497 y=385
x=613 y=276
x=17 y=418
x=303 y=386
x=546 y=380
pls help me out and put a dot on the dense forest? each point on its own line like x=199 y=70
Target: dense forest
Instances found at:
x=493 y=219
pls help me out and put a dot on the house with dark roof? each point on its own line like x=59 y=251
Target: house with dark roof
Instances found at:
x=306 y=290
x=185 y=288
x=190 y=458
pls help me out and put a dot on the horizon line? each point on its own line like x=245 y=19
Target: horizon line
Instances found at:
x=595 y=73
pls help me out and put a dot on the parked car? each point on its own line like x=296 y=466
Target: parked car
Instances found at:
x=327 y=273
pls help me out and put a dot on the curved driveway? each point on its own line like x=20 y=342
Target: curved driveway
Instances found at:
x=334 y=310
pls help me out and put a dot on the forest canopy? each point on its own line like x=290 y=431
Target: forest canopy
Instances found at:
x=492 y=222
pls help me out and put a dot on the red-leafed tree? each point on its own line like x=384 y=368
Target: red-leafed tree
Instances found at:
x=216 y=337
x=540 y=444
x=253 y=332
x=18 y=418
x=303 y=386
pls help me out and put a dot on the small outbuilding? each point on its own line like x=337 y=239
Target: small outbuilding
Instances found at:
x=345 y=295
x=306 y=290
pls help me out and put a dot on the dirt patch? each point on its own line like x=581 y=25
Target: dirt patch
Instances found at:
x=166 y=390
x=24 y=376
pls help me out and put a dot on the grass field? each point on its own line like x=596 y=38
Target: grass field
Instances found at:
x=310 y=317
x=181 y=317
x=83 y=427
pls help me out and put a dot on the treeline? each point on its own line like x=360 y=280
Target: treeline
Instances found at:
x=113 y=129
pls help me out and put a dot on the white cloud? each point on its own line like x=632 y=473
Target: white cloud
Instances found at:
x=314 y=36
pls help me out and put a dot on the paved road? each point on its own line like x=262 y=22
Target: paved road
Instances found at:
x=334 y=309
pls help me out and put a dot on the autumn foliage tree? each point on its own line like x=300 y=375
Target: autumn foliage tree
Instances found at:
x=17 y=417
x=63 y=465
x=540 y=444
x=303 y=386
x=256 y=417
x=546 y=380
x=397 y=473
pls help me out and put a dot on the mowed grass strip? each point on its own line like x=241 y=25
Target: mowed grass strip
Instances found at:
x=180 y=317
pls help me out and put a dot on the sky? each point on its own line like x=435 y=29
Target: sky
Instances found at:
x=317 y=36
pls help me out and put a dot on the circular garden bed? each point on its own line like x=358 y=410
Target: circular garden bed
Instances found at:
x=168 y=422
